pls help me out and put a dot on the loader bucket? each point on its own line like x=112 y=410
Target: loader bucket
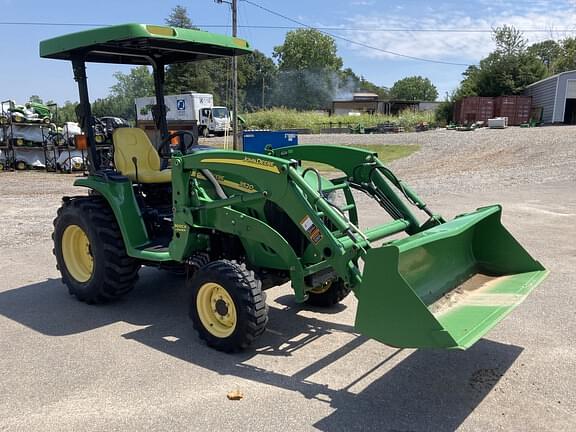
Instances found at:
x=445 y=287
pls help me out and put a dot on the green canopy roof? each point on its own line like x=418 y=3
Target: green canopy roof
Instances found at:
x=137 y=43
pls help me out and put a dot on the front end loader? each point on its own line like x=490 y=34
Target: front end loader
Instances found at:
x=238 y=223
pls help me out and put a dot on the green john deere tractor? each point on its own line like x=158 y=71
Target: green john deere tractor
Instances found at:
x=238 y=223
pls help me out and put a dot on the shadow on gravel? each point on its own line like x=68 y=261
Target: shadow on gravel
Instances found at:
x=427 y=390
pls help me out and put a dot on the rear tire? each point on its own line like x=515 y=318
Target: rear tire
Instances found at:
x=227 y=307
x=90 y=251
x=328 y=295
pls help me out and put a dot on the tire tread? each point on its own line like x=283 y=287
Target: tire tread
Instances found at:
x=120 y=272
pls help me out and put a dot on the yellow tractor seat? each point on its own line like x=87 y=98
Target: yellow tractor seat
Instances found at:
x=133 y=142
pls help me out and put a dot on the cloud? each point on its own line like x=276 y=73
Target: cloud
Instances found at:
x=460 y=47
x=362 y=3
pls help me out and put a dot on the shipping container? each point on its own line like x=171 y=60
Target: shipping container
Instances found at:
x=472 y=109
x=516 y=108
x=476 y=108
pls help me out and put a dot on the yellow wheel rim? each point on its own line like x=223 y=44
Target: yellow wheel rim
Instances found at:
x=77 y=253
x=216 y=309
x=322 y=288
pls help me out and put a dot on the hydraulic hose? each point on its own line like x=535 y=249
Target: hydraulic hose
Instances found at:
x=217 y=188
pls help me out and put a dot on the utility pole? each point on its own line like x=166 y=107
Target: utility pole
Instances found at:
x=235 y=143
x=234 y=5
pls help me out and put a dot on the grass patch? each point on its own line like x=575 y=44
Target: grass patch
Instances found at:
x=386 y=153
x=283 y=118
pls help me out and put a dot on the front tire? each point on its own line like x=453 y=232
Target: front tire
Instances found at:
x=227 y=307
x=329 y=294
x=90 y=251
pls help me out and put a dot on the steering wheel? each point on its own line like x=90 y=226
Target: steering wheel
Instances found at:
x=164 y=149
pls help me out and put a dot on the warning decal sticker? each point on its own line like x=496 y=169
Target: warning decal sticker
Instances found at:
x=312 y=230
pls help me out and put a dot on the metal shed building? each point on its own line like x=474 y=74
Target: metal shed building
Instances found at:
x=556 y=95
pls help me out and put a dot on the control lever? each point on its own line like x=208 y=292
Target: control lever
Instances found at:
x=135 y=162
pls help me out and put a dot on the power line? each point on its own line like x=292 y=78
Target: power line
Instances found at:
x=270 y=27
x=353 y=41
x=53 y=24
x=380 y=29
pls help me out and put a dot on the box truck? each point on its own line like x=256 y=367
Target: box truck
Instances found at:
x=188 y=107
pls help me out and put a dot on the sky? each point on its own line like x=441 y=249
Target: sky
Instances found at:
x=364 y=22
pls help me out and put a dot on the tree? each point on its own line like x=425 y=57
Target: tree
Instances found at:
x=36 y=99
x=111 y=106
x=445 y=110
x=468 y=84
x=179 y=18
x=505 y=74
x=414 y=88
x=137 y=83
x=258 y=74
x=548 y=52
x=507 y=70
x=509 y=40
x=67 y=112
x=307 y=49
x=308 y=67
x=195 y=76
x=567 y=59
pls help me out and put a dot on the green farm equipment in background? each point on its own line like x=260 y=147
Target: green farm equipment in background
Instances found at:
x=42 y=111
x=32 y=112
x=238 y=223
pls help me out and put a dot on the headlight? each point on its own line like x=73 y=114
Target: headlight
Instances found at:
x=100 y=139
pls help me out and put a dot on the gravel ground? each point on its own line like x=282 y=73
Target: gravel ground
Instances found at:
x=137 y=365
x=485 y=158
x=29 y=202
